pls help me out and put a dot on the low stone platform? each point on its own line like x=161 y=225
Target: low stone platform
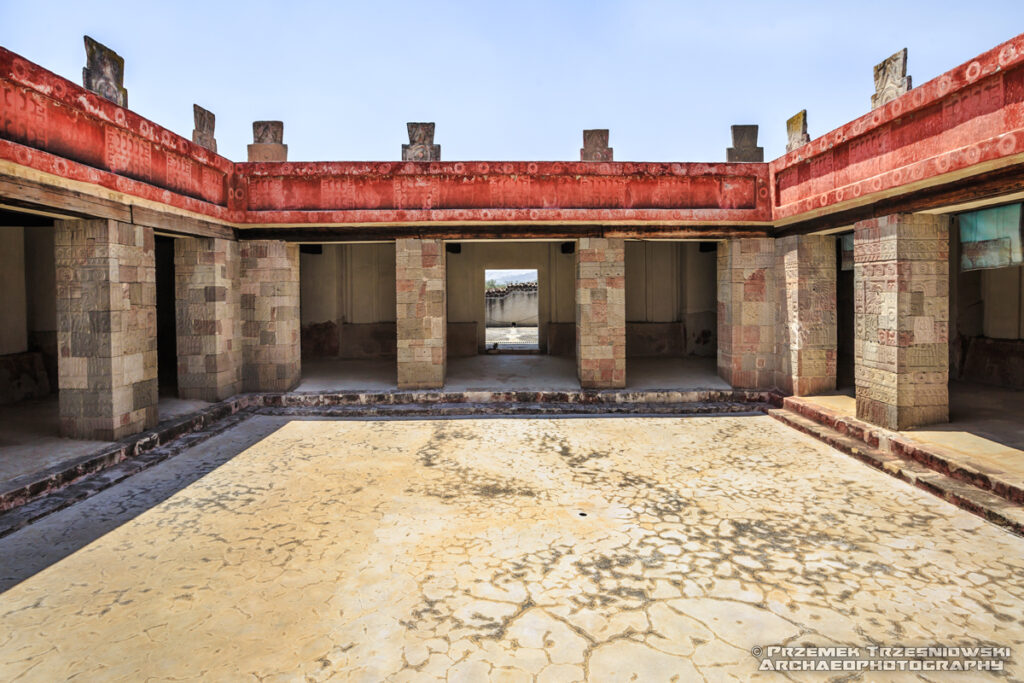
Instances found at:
x=1005 y=481
x=988 y=494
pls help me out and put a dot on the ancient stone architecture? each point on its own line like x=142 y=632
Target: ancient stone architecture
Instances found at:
x=103 y=73
x=203 y=133
x=601 y=312
x=595 y=146
x=421 y=314
x=744 y=145
x=891 y=79
x=421 y=145
x=145 y=264
x=796 y=131
x=268 y=142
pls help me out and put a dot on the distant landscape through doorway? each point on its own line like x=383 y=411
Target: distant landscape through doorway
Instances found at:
x=511 y=311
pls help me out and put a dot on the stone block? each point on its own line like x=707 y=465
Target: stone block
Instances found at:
x=796 y=131
x=746 y=313
x=103 y=73
x=902 y=310
x=208 y=314
x=600 y=313
x=269 y=313
x=421 y=145
x=205 y=121
x=267 y=143
x=106 y=329
x=744 y=145
x=421 y=313
x=891 y=79
x=595 y=146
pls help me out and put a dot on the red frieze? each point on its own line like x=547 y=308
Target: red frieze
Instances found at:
x=505 y=191
x=45 y=112
x=969 y=116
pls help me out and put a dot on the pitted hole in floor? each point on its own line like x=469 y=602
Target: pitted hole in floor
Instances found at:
x=582 y=514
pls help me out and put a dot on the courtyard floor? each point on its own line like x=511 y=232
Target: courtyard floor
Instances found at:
x=499 y=549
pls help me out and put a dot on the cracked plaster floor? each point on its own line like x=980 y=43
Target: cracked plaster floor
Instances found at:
x=423 y=549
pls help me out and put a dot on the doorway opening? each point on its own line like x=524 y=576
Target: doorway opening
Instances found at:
x=845 y=316
x=166 y=326
x=511 y=311
x=348 y=316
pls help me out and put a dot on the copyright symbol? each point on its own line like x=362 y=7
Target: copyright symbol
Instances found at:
x=756 y=651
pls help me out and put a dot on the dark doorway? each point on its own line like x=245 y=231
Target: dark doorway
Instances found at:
x=166 y=327
x=845 y=321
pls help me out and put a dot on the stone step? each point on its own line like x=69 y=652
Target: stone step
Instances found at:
x=899 y=445
x=963 y=494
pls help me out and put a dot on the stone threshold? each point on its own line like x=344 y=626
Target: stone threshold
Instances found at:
x=912 y=462
x=33 y=496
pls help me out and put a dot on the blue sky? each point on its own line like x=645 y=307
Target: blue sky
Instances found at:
x=506 y=80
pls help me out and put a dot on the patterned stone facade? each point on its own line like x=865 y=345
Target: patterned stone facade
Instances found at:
x=601 y=312
x=421 y=313
x=746 y=313
x=421 y=145
x=891 y=79
x=796 y=131
x=202 y=134
x=595 y=146
x=806 y=314
x=103 y=73
x=269 y=285
x=901 y=303
x=744 y=145
x=268 y=142
x=207 y=313
x=106 y=319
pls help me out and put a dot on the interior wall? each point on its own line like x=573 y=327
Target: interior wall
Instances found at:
x=556 y=286
x=556 y=283
x=987 y=340
x=13 y=328
x=347 y=295
x=41 y=297
x=670 y=299
x=1002 y=293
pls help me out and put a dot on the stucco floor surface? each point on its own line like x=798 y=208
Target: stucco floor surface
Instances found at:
x=30 y=438
x=605 y=549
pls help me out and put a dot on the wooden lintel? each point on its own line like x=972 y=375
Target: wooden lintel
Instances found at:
x=522 y=231
x=37 y=196
x=180 y=225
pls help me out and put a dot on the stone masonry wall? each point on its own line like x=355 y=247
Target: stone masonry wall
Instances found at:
x=269 y=284
x=746 y=313
x=106 y=336
x=806 y=314
x=601 y=312
x=421 y=313
x=901 y=304
x=207 y=310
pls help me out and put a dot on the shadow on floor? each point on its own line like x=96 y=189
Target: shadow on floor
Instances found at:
x=52 y=538
x=30 y=439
